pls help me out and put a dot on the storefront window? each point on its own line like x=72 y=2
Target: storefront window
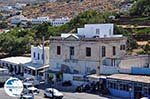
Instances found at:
x=146 y=89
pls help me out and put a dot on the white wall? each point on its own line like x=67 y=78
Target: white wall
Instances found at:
x=39 y=50
x=105 y=30
x=109 y=69
x=133 y=61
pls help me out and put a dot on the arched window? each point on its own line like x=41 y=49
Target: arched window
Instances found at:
x=103 y=51
x=34 y=55
x=38 y=56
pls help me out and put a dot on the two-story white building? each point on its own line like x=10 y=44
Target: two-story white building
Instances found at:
x=83 y=53
x=34 y=66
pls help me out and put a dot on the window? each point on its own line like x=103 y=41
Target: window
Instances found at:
x=97 y=31
x=42 y=56
x=103 y=51
x=38 y=56
x=88 y=51
x=109 y=31
x=34 y=55
x=122 y=47
x=3 y=64
x=58 y=50
x=114 y=50
x=72 y=51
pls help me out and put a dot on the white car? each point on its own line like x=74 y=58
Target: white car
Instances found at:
x=27 y=85
x=144 y=98
x=33 y=90
x=27 y=96
x=31 y=80
x=29 y=88
x=53 y=93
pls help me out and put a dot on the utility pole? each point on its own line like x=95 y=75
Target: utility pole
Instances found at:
x=98 y=66
x=43 y=50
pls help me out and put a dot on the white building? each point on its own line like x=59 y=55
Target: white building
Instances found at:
x=97 y=31
x=19 y=19
x=7 y=9
x=20 y=5
x=37 y=55
x=40 y=20
x=54 y=22
x=83 y=53
x=59 y=21
x=34 y=66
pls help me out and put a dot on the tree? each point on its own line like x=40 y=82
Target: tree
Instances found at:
x=16 y=42
x=141 y=8
x=3 y=24
x=42 y=30
x=131 y=41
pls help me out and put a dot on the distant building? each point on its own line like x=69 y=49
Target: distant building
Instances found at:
x=18 y=19
x=7 y=9
x=40 y=20
x=83 y=53
x=20 y=5
x=54 y=22
x=59 y=21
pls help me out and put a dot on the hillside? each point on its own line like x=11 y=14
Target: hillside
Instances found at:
x=71 y=8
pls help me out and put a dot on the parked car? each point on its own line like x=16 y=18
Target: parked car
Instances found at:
x=53 y=93
x=29 y=88
x=67 y=83
x=83 y=88
x=33 y=90
x=27 y=85
x=32 y=80
x=80 y=89
x=27 y=96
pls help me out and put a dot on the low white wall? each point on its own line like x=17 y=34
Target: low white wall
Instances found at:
x=108 y=70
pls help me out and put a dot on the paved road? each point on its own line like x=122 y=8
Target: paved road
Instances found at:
x=67 y=95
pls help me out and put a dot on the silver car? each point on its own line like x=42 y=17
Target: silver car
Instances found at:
x=53 y=93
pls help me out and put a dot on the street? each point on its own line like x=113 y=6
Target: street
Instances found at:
x=67 y=95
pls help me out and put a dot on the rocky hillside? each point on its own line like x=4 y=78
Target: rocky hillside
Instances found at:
x=71 y=7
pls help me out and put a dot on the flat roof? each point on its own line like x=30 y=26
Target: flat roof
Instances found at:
x=17 y=60
x=96 y=76
x=135 y=78
x=58 y=38
x=34 y=66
